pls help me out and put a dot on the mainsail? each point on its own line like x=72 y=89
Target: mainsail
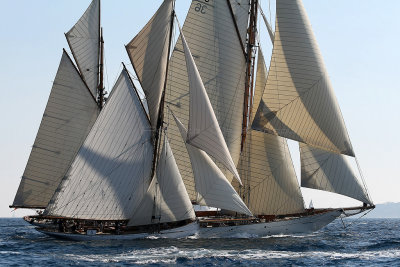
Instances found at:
x=211 y=35
x=166 y=199
x=84 y=41
x=298 y=102
x=323 y=170
x=148 y=52
x=111 y=172
x=70 y=113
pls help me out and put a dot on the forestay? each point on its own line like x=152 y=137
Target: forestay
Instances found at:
x=84 y=41
x=148 y=52
x=210 y=33
x=111 y=173
x=299 y=101
x=330 y=172
x=166 y=200
x=203 y=131
x=213 y=189
x=70 y=113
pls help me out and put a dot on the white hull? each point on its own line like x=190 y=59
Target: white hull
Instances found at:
x=301 y=225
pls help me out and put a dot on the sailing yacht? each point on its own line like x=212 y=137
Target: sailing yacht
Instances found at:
x=212 y=132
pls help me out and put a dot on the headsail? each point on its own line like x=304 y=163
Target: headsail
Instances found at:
x=299 y=101
x=111 y=172
x=67 y=119
x=166 y=199
x=84 y=41
x=213 y=188
x=203 y=131
x=213 y=40
x=330 y=172
x=148 y=52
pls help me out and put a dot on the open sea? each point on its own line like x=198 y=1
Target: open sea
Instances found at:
x=366 y=242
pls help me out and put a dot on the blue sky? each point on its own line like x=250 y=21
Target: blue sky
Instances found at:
x=359 y=40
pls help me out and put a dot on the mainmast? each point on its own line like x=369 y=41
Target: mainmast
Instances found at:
x=250 y=56
x=100 y=88
x=160 y=118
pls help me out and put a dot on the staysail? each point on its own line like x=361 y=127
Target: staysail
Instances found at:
x=330 y=172
x=148 y=52
x=299 y=102
x=70 y=113
x=270 y=184
x=111 y=172
x=213 y=189
x=84 y=40
x=204 y=131
x=211 y=35
x=166 y=200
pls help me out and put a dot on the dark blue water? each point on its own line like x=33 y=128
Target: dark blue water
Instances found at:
x=368 y=242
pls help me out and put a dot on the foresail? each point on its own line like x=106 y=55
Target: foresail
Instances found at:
x=84 y=41
x=216 y=49
x=330 y=172
x=166 y=199
x=70 y=113
x=111 y=172
x=270 y=185
x=213 y=189
x=204 y=131
x=261 y=81
x=299 y=102
x=148 y=52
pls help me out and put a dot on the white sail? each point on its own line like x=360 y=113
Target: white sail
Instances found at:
x=241 y=11
x=261 y=81
x=213 y=40
x=203 y=131
x=330 y=172
x=166 y=199
x=270 y=185
x=84 y=40
x=213 y=188
x=67 y=119
x=268 y=25
x=148 y=52
x=111 y=173
x=299 y=102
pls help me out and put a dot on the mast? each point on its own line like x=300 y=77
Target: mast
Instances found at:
x=100 y=88
x=160 y=118
x=248 y=93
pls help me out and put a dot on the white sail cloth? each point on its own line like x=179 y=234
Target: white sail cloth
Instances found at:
x=241 y=11
x=213 y=188
x=148 y=52
x=70 y=113
x=203 y=131
x=330 y=172
x=211 y=35
x=111 y=172
x=166 y=200
x=84 y=40
x=299 y=102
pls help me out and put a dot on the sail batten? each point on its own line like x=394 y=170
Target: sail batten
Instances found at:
x=100 y=183
x=84 y=40
x=299 y=102
x=70 y=113
x=148 y=52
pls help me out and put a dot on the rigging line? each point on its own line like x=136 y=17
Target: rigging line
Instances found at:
x=363 y=180
x=105 y=67
x=356 y=220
